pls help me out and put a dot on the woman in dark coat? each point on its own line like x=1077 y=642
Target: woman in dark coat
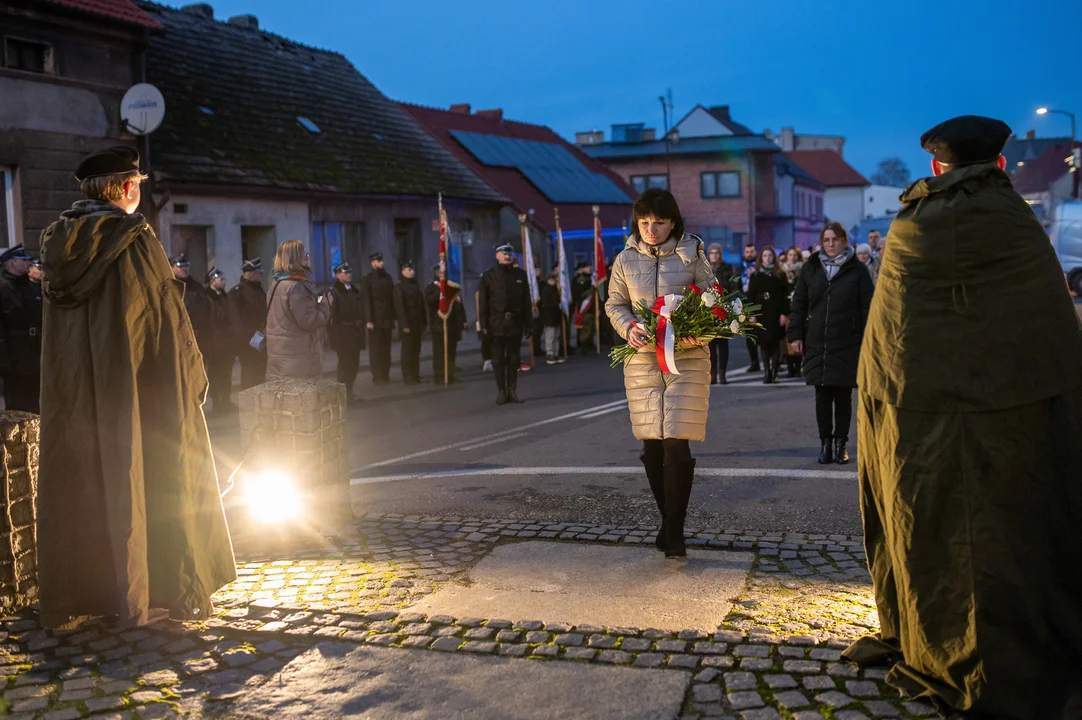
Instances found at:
x=719 y=347
x=830 y=309
x=769 y=289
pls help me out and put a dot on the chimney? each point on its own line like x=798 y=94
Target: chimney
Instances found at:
x=1031 y=134
x=788 y=139
x=649 y=134
x=721 y=111
x=248 y=22
x=590 y=137
x=496 y=114
x=203 y=10
x=460 y=109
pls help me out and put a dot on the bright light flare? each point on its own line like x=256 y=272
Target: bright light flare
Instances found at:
x=1042 y=111
x=271 y=497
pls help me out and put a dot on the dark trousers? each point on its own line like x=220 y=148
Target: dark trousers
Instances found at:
x=506 y=359
x=486 y=348
x=437 y=357
x=349 y=359
x=379 y=354
x=719 y=359
x=411 y=357
x=22 y=392
x=753 y=353
x=219 y=377
x=833 y=411
x=253 y=367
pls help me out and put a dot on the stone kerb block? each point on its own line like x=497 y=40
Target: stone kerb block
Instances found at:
x=302 y=424
x=19 y=432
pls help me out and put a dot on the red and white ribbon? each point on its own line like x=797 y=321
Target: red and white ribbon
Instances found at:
x=665 y=338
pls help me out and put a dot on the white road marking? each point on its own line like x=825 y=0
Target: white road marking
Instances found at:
x=496 y=440
x=783 y=473
x=493 y=436
x=622 y=406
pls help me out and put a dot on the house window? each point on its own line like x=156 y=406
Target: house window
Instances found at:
x=642 y=183
x=28 y=56
x=818 y=207
x=333 y=243
x=7 y=208
x=720 y=184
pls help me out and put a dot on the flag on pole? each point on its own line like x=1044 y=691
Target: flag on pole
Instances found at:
x=528 y=266
x=600 y=272
x=562 y=271
x=448 y=290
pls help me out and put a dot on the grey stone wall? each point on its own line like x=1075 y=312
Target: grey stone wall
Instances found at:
x=19 y=433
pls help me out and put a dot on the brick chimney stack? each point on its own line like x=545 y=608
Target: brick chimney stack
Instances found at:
x=460 y=109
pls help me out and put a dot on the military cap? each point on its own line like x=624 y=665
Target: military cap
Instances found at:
x=966 y=140
x=342 y=267
x=108 y=161
x=253 y=265
x=180 y=261
x=35 y=263
x=16 y=253
x=436 y=267
x=505 y=249
x=582 y=264
x=408 y=264
x=375 y=256
x=214 y=273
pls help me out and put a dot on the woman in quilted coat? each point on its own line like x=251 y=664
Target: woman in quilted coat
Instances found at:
x=667 y=410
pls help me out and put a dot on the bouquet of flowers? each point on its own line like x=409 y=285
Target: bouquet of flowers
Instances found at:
x=676 y=323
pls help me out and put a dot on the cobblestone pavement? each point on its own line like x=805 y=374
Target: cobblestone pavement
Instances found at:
x=777 y=655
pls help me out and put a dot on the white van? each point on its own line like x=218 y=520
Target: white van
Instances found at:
x=1066 y=236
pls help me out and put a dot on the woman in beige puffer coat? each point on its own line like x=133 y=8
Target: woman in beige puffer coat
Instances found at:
x=667 y=410
x=294 y=317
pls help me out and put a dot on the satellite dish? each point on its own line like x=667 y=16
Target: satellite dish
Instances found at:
x=142 y=109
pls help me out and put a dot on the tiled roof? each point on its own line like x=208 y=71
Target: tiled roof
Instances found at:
x=788 y=167
x=249 y=108
x=1036 y=175
x=512 y=183
x=123 y=10
x=828 y=167
x=1025 y=149
x=687 y=146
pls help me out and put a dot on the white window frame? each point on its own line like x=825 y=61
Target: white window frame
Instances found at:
x=9 y=205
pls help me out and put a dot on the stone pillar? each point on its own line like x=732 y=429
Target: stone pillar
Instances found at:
x=18 y=521
x=300 y=426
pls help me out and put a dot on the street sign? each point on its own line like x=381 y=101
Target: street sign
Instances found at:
x=142 y=109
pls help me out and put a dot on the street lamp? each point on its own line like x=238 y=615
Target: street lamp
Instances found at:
x=1047 y=111
x=1075 y=155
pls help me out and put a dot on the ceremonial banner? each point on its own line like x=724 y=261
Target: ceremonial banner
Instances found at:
x=448 y=289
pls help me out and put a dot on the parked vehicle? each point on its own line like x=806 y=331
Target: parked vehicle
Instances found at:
x=1066 y=236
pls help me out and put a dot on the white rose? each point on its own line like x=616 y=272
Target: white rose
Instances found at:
x=709 y=299
x=737 y=306
x=734 y=326
x=743 y=318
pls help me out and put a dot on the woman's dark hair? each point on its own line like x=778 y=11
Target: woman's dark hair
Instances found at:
x=777 y=261
x=658 y=203
x=837 y=227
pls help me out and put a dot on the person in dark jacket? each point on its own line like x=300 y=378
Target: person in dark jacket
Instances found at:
x=826 y=326
x=769 y=289
x=551 y=320
x=747 y=269
x=247 y=317
x=506 y=314
x=456 y=324
x=582 y=290
x=719 y=347
x=222 y=349
x=409 y=308
x=20 y=332
x=196 y=302
x=377 y=294
x=346 y=331
x=970 y=435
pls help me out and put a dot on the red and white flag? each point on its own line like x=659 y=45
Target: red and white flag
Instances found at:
x=448 y=289
x=600 y=272
x=665 y=337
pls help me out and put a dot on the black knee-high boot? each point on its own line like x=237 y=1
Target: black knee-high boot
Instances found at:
x=678 y=479
x=501 y=382
x=655 y=475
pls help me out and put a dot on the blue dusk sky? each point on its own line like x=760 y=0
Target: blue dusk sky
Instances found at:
x=878 y=73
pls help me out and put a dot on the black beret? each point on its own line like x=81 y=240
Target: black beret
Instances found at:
x=253 y=265
x=214 y=273
x=108 y=161
x=505 y=249
x=342 y=267
x=376 y=256
x=966 y=140
x=16 y=253
x=180 y=261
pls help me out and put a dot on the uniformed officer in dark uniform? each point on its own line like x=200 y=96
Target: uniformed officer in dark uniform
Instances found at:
x=582 y=288
x=196 y=302
x=377 y=292
x=346 y=329
x=456 y=324
x=222 y=348
x=20 y=332
x=409 y=307
x=247 y=316
x=506 y=314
